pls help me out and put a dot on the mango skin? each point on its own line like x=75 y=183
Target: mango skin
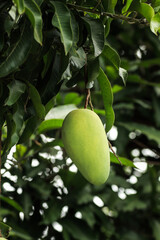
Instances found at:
x=86 y=143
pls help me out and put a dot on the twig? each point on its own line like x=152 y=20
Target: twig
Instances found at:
x=111 y=15
x=110 y=145
x=99 y=2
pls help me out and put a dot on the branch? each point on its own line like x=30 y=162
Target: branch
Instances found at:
x=130 y=20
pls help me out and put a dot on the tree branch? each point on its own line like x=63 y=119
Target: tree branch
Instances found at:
x=130 y=20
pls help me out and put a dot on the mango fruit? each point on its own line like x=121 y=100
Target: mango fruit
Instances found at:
x=86 y=143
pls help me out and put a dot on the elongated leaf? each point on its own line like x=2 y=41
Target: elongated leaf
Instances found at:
x=107 y=95
x=112 y=56
x=36 y=100
x=124 y=161
x=62 y=20
x=12 y=203
x=155 y=23
x=96 y=30
x=127 y=5
x=16 y=89
x=5 y=230
x=30 y=127
x=50 y=124
x=19 y=53
x=151 y=132
x=33 y=12
x=20 y=6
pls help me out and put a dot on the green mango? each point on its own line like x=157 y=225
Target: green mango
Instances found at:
x=86 y=143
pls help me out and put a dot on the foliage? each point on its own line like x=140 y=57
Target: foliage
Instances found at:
x=51 y=52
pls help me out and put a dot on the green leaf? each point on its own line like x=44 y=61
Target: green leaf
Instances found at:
x=144 y=9
x=18 y=54
x=155 y=23
x=96 y=30
x=37 y=103
x=33 y=12
x=16 y=89
x=12 y=203
x=151 y=132
x=20 y=6
x=49 y=125
x=124 y=161
x=5 y=230
x=93 y=69
x=127 y=5
x=107 y=95
x=62 y=20
x=30 y=127
x=112 y=56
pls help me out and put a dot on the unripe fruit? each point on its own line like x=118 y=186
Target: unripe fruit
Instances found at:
x=86 y=143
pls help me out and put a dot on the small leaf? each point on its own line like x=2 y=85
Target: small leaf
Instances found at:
x=20 y=6
x=33 y=12
x=62 y=20
x=155 y=23
x=96 y=30
x=124 y=161
x=49 y=125
x=16 y=89
x=107 y=95
x=36 y=100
